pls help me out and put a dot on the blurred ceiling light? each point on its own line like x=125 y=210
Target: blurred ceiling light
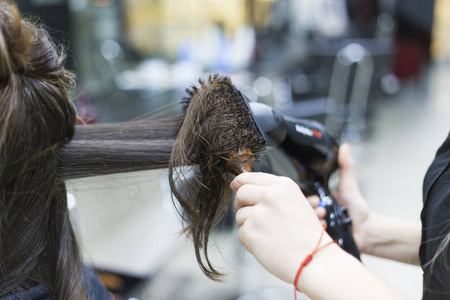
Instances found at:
x=111 y=50
x=102 y=3
x=262 y=86
x=78 y=5
x=282 y=92
x=386 y=22
x=390 y=84
x=351 y=53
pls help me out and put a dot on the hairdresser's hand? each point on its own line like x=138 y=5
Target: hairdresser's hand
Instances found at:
x=349 y=195
x=320 y=211
x=276 y=223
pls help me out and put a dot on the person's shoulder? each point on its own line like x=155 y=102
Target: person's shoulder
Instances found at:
x=93 y=286
x=446 y=146
x=37 y=292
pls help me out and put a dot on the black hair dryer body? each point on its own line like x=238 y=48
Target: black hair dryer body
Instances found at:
x=314 y=153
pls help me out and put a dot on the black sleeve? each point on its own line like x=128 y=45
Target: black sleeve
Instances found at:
x=436 y=227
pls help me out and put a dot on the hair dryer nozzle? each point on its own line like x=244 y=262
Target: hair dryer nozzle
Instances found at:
x=269 y=122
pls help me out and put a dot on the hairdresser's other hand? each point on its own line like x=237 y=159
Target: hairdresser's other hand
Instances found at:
x=276 y=223
x=349 y=195
x=320 y=211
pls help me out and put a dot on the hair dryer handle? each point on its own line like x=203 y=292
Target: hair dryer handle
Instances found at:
x=338 y=222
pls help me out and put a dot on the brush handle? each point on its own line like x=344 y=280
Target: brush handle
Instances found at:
x=240 y=162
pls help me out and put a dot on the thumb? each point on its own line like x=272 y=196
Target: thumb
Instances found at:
x=345 y=159
x=347 y=176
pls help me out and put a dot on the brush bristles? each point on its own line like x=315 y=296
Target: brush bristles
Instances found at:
x=217 y=124
x=217 y=113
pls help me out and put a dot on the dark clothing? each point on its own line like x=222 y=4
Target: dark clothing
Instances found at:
x=93 y=286
x=35 y=293
x=436 y=226
x=91 y=283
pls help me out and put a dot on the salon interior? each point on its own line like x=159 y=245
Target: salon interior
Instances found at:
x=375 y=73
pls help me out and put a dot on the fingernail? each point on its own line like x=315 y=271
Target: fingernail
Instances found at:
x=231 y=183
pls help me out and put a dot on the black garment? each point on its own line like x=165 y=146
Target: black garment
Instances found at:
x=436 y=226
x=91 y=284
x=35 y=293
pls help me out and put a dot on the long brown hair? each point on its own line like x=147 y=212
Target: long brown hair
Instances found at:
x=40 y=147
x=102 y=149
x=37 y=243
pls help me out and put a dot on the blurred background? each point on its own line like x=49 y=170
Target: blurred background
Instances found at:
x=375 y=72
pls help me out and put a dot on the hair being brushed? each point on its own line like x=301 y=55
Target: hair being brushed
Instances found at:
x=216 y=126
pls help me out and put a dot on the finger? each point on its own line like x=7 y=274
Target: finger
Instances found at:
x=321 y=212
x=336 y=196
x=345 y=159
x=248 y=195
x=347 y=171
x=313 y=200
x=252 y=178
x=242 y=215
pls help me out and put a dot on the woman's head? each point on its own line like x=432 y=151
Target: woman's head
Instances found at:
x=37 y=152
x=36 y=119
x=35 y=111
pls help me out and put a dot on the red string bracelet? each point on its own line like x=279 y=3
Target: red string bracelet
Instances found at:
x=308 y=259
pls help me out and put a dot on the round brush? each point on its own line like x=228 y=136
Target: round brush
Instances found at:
x=218 y=136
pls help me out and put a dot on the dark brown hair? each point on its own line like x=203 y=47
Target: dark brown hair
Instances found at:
x=103 y=149
x=217 y=124
x=39 y=149
x=37 y=243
